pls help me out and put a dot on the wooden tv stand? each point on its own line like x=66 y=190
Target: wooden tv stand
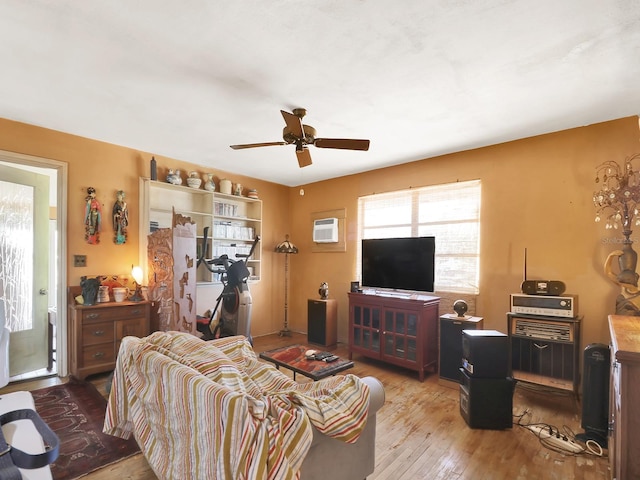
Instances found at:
x=397 y=329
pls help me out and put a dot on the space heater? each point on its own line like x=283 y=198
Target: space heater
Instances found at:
x=595 y=393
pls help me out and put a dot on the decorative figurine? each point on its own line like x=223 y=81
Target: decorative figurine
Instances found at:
x=92 y=217
x=460 y=307
x=174 y=177
x=324 y=290
x=120 y=219
x=89 y=290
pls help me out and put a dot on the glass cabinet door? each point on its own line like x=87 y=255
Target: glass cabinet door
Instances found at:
x=412 y=324
x=357 y=315
x=366 y=327
x=375 y=329
x=400 y=332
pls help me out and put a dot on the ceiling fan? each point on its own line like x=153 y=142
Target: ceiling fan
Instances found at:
x=300 y=135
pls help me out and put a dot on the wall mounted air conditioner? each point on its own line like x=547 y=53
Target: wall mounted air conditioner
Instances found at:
x=325 y=230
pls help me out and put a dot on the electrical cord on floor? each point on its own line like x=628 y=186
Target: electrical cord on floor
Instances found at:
x=591 y=447
x=594 y=448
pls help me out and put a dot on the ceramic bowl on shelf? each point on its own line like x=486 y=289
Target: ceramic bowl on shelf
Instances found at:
x=194 y=180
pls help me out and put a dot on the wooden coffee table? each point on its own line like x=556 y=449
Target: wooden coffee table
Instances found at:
x=293 y=358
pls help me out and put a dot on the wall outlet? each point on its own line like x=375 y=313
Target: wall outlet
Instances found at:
x=79 y=260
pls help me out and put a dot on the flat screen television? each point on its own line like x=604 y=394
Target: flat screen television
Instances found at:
x=399 y=263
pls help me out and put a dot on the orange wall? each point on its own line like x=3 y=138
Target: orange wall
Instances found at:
x=109 y=168
x=536 y=193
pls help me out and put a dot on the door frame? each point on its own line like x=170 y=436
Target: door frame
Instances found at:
x=61 y=224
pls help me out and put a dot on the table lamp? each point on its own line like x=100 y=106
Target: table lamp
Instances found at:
x=137 y=274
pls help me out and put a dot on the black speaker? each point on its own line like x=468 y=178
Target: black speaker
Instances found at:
x=451 y=327
x=485 y=353
x=486 y=403
x=317 y=322
x=595 y=393
x=321 y=322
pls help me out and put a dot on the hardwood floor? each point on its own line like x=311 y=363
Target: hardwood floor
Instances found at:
x=421 y=435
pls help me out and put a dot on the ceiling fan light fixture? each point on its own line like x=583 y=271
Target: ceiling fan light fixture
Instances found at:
x=300 y=135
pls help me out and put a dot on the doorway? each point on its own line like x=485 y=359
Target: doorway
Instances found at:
x=34 y=263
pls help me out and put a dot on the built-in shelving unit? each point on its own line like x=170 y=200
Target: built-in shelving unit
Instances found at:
x=236 y=222
x=232 y=221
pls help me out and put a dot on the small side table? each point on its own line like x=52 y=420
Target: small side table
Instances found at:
x=322 y=321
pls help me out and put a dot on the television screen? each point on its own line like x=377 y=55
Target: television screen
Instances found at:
x=399 y=263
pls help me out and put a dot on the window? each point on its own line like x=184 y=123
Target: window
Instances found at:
x=450 y=213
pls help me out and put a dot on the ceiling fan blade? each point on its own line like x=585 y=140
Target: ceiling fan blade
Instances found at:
x=294 y=123
x=253 y=145
x=342 y=143
x=304 y=157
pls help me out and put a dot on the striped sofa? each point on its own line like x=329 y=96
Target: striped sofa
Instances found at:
x=213 y=410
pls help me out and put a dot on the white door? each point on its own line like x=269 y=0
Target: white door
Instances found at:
x=24 y=266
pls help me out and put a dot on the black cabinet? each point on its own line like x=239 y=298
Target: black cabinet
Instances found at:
x=451 y=327
x=545 y=350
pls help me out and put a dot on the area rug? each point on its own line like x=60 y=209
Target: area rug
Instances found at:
x=75 y=412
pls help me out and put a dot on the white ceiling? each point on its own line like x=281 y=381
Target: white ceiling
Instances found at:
x=419 y=78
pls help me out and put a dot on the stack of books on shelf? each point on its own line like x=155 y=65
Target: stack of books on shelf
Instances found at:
x=238 y=231
x=230 y=250
x=225 y=209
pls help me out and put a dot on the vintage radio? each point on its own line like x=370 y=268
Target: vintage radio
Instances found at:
x=548 y=305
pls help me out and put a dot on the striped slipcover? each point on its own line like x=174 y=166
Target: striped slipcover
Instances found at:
x=213 y=410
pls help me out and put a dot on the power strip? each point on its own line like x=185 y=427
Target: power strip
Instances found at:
x=556 y=439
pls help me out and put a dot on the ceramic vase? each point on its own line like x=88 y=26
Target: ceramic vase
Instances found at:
x=225 y=186
x=209 y=185
x=103 y=293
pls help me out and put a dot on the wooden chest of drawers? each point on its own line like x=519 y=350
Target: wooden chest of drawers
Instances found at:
x=95 y=333
x=624 y=426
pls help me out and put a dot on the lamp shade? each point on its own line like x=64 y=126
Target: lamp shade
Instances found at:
x=137 y=274
x=286 y=246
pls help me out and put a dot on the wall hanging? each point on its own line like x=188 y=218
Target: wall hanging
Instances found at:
x=120 y=219
x=92 y=217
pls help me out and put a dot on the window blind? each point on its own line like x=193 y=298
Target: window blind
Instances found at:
x=449 y=212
